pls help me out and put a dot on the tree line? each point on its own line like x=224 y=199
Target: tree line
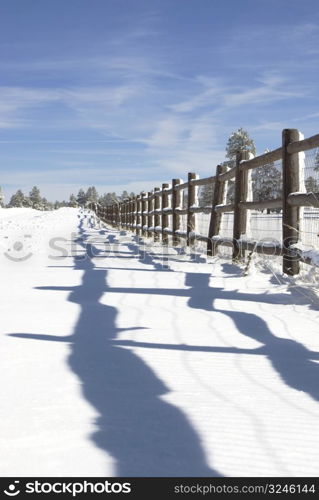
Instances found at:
x=36 y=201
x=266 y=180
x=266 y=183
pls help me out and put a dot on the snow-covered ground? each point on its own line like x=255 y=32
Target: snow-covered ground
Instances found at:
x=115 y=365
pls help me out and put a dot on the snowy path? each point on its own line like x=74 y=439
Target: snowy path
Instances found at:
x=112 y=365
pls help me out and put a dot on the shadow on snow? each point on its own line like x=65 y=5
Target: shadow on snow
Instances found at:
x=143 y=433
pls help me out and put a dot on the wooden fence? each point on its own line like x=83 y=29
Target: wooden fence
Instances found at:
x=148 y=213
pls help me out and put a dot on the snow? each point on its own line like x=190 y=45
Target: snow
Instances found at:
x=9 y=212
x=138 y=362
x=313 y=255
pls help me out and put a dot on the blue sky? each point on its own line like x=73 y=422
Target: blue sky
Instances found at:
x=126 y=94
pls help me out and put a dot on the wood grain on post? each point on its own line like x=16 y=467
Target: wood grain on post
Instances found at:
x=191 y=199
x=132 y=210
x=240 y=212
x=134 y=214
x=144 y=219
x=149 y=209
x=164 y=215
x=138 y=215
x=124 y=214
x=216 y=217
x=120 y=215
x=176 y=202
x=129 y=213
x=157 y=217
x=290 y=214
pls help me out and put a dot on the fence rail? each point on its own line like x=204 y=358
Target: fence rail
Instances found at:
x=148 y=214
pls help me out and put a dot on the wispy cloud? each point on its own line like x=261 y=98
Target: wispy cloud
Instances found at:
x=157 y=106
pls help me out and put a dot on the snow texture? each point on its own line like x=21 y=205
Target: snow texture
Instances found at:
x=119 y=359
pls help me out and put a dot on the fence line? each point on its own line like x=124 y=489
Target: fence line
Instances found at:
x=149 y=213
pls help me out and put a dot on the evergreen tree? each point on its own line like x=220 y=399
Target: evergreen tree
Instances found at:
x=92 y=195
x=81 y=198
x=35 y=198
x=266 y=183
x=316 y=167
x=17 y=199
x=27 y=202
x=206 y=195
x=72 y=202
x=312 y=186
x=45 y=204
x=124 y=196
x=1 y=198
x=239 y=141
x=108 y=199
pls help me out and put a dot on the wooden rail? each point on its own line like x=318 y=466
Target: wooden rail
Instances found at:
x=158 y=213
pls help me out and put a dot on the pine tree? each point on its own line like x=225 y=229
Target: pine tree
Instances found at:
x=17 y=199
x=27 y=202
x=81 y=198
x=35 y=198
x=108 y=199
x=266 y=183
x=124 y=196
x=239 y=141
x=206 y=195
x=72 y=202
x=1 y=198
x=312 y=186
x=92 y=194
x=45 y=204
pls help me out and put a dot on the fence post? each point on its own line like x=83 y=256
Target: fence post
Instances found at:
x=143 y=196
x=149 y=209
x=218 y=198
x=176 y=203
x=138 y=215
x=164 y=215
x=157 y=217
x=119 y=218
x=128 y=201
x=290 y=214
x=132 y=213
x=133 y=209
x=191 y=199
x=124 y=213
x=240 y=213
x=128 y=213
x=133 y=220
